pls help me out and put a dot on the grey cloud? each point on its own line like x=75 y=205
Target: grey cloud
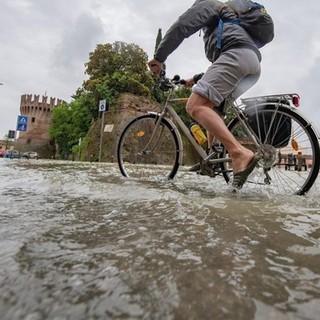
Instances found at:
x=79 y=39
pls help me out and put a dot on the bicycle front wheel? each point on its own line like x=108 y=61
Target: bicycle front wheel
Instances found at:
x=148 y=149
x=290 y=147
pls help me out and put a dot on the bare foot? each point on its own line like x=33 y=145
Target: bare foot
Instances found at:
x=241 y=160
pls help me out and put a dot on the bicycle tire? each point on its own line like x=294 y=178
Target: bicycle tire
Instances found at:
x=159 y=160
x=276 y=176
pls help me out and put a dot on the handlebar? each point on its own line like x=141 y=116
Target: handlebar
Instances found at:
x=166 y=84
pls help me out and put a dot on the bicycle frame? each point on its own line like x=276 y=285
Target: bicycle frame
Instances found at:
x=177 y=121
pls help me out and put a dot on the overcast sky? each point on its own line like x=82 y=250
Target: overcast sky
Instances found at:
x=45 y=44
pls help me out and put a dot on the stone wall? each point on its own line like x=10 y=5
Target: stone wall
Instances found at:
x=129 y=107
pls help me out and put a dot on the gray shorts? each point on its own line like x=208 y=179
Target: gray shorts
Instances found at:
x=233 y=73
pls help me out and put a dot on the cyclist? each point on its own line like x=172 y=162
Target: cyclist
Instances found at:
x=235 y=68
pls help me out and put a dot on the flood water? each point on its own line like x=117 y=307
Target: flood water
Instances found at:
x=78 y=241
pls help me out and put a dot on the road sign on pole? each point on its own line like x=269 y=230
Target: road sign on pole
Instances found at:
x=22 y=123
x=102 y=105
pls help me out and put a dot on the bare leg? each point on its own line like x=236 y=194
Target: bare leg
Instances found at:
x=210 y=139
x=201 y=109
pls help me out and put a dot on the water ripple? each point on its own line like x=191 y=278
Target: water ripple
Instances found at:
x=78 y=241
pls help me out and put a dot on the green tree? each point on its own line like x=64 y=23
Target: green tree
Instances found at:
x=69 y=123
x=99 y=91
x=158 y=40
x=59 y=129
x=120 y=67
x=180 y=108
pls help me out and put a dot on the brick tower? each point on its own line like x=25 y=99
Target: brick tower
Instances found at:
x=36 y=138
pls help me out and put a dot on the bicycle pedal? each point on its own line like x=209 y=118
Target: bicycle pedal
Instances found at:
x=217 y=148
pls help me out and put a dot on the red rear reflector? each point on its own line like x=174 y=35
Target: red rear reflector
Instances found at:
x=296 y=101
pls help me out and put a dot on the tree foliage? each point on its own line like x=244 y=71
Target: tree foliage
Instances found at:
x=119 y=66
x=158 y=40
x=180 y=108
x=69 y=122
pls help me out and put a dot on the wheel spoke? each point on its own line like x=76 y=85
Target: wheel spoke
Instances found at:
x=147 y=149
x=286 y=137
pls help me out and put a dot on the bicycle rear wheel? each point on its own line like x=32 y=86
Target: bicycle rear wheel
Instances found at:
x=146 y=151
x=290 y=163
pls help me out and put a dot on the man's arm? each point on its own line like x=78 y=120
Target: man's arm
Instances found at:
x=201 y=14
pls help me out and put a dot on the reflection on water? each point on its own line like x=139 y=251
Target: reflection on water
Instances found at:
x=78 y=241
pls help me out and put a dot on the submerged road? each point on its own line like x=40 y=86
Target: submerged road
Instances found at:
x=78 y=241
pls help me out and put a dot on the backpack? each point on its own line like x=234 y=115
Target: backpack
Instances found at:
x=253 y=17
x=274 y=130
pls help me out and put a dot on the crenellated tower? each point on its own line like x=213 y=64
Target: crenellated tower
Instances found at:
x=38 y=112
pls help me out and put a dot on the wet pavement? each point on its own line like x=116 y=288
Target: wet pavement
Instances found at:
x=78 y=241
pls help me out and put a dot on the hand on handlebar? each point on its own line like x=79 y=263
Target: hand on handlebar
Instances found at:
x=155 y=66
x=189 y=83
x=192 y=81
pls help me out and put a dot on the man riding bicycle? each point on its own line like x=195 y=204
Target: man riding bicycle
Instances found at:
x=235 y=68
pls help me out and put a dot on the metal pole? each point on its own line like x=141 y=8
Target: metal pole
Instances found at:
x=101 y=135
x=80 y=140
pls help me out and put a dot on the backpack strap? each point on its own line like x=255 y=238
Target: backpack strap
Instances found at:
x=220 y=29
x=257 y=5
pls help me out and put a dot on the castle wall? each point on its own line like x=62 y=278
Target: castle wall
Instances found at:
x=39 y=113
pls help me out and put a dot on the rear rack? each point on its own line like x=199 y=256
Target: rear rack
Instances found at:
x=293 y=97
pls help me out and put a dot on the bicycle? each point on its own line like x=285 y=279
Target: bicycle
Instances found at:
x=151 y=144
